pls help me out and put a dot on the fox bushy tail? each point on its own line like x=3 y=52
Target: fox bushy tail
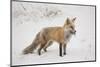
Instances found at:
x=33 y=45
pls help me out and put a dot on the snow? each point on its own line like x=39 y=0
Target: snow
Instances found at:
x=29 y=18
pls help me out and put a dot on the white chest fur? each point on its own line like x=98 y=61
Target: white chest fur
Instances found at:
x=67 y=36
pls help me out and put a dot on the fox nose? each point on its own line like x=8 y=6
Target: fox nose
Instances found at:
x=75 y=31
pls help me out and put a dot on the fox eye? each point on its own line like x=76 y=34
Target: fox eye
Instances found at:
x=72 y=27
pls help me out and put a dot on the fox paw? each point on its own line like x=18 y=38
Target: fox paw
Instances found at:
x=45 y=50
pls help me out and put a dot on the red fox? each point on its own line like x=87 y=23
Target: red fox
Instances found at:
x=48 y=35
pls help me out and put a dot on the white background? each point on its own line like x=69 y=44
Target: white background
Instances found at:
x=5 y=32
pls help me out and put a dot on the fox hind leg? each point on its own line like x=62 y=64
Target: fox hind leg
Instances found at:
x=47 y=45
x=41 y=47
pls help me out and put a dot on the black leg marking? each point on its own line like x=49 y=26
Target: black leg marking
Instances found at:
x=39 y=50
x=64 y=46
x=45 y=50
x=60 y=50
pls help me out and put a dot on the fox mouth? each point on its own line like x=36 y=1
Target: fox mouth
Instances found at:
x=73 y=32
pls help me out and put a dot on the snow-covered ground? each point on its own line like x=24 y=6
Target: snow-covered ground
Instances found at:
x=29 y=18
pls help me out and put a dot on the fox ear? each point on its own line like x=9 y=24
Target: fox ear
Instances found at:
x=68 y=21
x=74 y=19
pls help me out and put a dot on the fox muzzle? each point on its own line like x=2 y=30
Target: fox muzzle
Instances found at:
x=73 y=32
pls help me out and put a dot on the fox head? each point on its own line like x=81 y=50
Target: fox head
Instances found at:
x=70 y=25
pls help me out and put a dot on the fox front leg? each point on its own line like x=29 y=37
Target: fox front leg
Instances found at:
x=60 y=49
x=64 y=47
